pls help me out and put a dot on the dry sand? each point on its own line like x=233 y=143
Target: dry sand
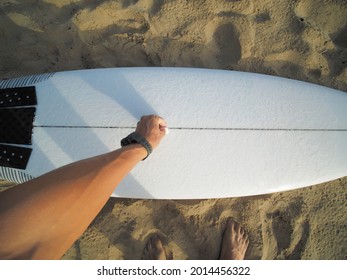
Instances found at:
x=304 y=40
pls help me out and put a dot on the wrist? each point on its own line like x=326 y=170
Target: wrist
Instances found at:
x=136 y=138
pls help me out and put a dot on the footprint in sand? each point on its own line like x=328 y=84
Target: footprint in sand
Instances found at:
x=223 y=47
x=285 y=233
x=227 y=44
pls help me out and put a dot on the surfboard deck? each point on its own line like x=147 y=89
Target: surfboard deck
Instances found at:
x=231 y=133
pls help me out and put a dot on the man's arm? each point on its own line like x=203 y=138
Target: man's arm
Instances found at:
x=42 y=218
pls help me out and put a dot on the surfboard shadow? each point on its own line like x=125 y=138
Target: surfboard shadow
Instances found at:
x=131 y=185
x=44 y=160
x=123 y=94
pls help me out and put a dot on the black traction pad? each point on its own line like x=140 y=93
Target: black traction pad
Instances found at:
x=16 y=125
x=15 y=97
x=14 y=157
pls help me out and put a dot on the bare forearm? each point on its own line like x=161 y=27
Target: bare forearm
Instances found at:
x=68 y=198
x=42 y=218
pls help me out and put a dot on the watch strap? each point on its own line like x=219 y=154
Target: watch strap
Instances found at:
x=136 y=138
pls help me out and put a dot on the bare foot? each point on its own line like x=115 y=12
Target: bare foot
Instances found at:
x=234 y=243
x=154 y=249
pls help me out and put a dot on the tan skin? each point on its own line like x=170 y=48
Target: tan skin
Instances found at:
x=48 y=214
x=42 y=218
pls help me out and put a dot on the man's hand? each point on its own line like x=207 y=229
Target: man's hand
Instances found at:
x=153 y=128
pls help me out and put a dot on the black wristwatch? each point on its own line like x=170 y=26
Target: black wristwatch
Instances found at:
x=136 y=138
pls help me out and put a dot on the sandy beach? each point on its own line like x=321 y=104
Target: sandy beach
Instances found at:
x=303 y=39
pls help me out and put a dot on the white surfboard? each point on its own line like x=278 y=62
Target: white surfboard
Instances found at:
x=231 y=133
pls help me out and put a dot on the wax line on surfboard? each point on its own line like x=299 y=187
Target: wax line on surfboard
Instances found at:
x=198 y=128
